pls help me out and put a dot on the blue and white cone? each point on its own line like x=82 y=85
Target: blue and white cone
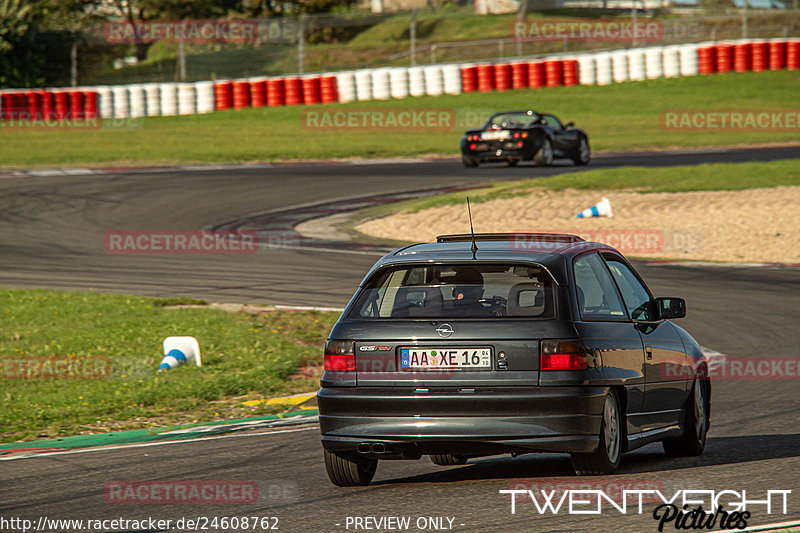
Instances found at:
x=603 y=209
x=179 y=350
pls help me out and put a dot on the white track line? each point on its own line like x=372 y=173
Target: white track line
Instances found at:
x=160 y=443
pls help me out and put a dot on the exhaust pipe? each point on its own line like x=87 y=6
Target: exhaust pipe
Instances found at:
x=363 y=447
x=377 y=448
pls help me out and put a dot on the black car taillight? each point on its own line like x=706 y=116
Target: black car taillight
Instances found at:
x=562 y=355
x=340 y=356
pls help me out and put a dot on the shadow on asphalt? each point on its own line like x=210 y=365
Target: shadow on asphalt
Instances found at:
x=719 y=451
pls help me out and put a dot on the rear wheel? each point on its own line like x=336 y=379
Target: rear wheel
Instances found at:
x=605 y=460
x=448 y=459
x=347 y=469
x=544 y=157
x=469 y=162
x=693 y=441
x=583 y=154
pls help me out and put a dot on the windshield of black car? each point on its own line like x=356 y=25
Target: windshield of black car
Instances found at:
x=457 y=291
x=522 y=119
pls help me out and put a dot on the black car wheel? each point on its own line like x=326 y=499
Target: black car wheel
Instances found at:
x=348 y=469
x=469 y=162
x=605 y=460
x=447 y=459
x=693 y=441
x=583 y=154
x=544 y=157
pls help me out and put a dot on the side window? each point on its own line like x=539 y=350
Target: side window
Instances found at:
x=636 y=297
x=598 y=298
x=553 y=122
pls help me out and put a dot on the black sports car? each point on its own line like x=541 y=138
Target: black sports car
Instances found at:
x=514 y=136
x=508 y=344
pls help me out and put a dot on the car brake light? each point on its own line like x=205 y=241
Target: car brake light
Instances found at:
x=472 y=146
x=519 y=144
x=516 y=135
x=562 y=355
x=340 y=356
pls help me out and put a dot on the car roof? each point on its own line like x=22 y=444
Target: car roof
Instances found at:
x=547 y=249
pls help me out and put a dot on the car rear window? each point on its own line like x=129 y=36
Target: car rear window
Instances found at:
x=457 y=291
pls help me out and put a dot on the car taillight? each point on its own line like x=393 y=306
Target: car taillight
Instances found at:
x=516 y=135
x=524 y=134
x=519 y=144
x=562 y=355
x=340 y=356
x=472 y=146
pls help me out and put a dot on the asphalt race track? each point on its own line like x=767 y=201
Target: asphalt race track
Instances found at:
x=52 y=235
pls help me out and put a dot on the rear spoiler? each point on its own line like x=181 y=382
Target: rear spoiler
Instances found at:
x=545 y=237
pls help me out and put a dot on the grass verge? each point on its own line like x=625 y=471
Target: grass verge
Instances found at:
x=245 y=357
x=624 y=116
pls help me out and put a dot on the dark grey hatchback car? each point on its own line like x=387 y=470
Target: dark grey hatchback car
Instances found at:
x=508 y=343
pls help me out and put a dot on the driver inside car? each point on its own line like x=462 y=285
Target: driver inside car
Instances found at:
x=466 y=289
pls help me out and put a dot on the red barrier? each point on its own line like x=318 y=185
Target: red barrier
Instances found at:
x=34 y=104
x=241 y=94
x=293 y=91
x=311 y=90
x=554 y=73
x=223 y=95
x=91 y=109
x=502 y=77
x=741 y=57
x=485 y=78
x=724 y=57
x=777 y=55
x=76 y=105
x=258 y=93
x=760 y=56
x=469 y=79
x=570 y=72
x=275 y=95
x=707 y=60
x=535 y=74
x=793 y=55
x=61 y=100
x=519 y=75
x=327 y=89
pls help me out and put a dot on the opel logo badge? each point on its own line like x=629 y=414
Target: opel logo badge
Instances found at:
x=445 y=330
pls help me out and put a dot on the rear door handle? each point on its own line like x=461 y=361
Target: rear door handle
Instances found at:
x=649 y=351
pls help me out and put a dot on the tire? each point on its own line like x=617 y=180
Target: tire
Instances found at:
x=606 y=459
x=693 y=441
x=544 y=157
x=583 y=154
x=448 y=459
x=346 y=469
x=469 y=162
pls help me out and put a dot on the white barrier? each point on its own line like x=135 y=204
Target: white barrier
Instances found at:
x=636 y=65
x=187 y=99
x=619 y=66
x=346 y=86
x=672 y=61
x=381 y=84
x=205 y=96
x=399 y=82
x=105 y=101
x=169 y=99
x=452 y=79
x=434 y=82
x=120 y=99
x=604 y=70
x=364 y=84
x=690 y=65
x=587 y=73
x=654 y=62
x=416 y=81
x=137 y=100
x=152 y=96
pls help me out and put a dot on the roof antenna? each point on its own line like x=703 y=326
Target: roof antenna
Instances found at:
x=472 y=231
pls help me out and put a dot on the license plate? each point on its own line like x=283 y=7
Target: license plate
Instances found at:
x=445 y=359
x=495 y=135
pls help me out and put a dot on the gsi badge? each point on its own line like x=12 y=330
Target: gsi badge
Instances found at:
x=445 y=330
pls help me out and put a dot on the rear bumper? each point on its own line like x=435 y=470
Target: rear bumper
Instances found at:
x=509 y=419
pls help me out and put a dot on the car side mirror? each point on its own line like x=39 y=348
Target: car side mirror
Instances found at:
x=671 y=307
x=569 y=125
